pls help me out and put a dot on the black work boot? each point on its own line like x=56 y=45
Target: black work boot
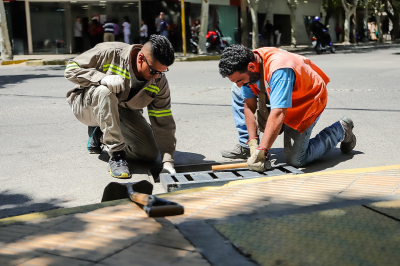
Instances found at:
x=238 y=152
x=94 y=144
x=350 y=140
x=118 y=166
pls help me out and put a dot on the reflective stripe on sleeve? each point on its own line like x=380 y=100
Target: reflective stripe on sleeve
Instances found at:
x=71 y=65
x=160 y=113
x=152 y=88
x=117 y=70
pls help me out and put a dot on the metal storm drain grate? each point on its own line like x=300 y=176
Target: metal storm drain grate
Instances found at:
x=209 y=178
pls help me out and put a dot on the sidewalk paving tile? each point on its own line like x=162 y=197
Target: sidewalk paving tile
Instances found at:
x=48 y=259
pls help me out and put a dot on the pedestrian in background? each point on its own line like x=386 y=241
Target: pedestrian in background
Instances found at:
x=157 y=24
x=109 y=30
x=163 y=26
x=278 y=33
x=116 y=29
x=126 y=29
x=78 y=36
x=269 y=28
x=143 y=33
x=95 y=32
x=338 y=31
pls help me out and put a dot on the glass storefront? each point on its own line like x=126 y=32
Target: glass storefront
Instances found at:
x=48 y=27
x=53 y=23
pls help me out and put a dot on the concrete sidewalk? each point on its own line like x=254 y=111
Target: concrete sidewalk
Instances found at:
x=62 y=59
x=345 y=217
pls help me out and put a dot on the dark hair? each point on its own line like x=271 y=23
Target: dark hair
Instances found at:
x=162 y=50
x=235 y=58
x=127 y=19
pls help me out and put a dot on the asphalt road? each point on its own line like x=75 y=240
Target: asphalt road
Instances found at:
x=45 y=163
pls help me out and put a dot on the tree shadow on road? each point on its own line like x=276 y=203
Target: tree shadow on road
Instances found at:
x=17 y=79
x=13 y=204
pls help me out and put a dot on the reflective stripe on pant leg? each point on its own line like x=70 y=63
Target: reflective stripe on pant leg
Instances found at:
x=105 y=110
x=138 y=135
x=238 y=115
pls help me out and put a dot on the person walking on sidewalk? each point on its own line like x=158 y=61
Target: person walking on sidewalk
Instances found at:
x=109 y=31
x=78 y=36
x=126 y=29
x=297 y=95
x=143 y=32
x=114 y=82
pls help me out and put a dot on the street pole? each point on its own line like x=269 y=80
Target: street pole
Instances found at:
x=6 y=52
x=183 y=26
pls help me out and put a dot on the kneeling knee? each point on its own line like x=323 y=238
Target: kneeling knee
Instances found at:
x=295 y=162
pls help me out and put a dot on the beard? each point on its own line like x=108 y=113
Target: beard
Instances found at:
x=253 y=77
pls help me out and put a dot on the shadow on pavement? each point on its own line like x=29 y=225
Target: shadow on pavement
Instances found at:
x=13 y=204
x=117 y=235
x=15 y=79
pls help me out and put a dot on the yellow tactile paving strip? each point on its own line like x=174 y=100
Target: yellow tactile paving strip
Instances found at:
x=110 y=235
x=348 y=236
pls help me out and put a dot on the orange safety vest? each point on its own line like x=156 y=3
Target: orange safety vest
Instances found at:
x=309 y=95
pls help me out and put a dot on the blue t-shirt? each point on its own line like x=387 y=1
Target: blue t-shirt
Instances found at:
x=281 y=85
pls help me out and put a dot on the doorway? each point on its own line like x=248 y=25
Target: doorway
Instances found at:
x=282 y=22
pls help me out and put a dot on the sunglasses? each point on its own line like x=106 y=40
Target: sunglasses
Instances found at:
x=152 y=71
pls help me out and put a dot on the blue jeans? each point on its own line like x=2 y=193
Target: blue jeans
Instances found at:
x=164 y=33
x=238 y=115
x=299 y=149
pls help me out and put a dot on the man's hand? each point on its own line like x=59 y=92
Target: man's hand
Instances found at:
x=168 y=168
x=259 y=161
x=114 y=83
x=253 y=144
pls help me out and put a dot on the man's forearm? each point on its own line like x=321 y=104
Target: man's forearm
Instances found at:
x=250 y=123
x=273 y=127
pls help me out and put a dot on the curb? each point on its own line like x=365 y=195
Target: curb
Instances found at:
x=350 y=47
x=13 y=62
x=46 y=63
x=91 y=207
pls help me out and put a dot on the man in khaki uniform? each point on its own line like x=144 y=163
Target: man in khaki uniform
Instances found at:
x=115 y=81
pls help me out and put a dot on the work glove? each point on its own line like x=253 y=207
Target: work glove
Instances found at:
x=259 y=161
x=115 y=83
x=253 y=144
x=168 y=168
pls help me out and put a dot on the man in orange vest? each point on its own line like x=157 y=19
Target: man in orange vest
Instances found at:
x=296 y=90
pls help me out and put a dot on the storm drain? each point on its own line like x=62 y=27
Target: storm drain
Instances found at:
x=209 y=178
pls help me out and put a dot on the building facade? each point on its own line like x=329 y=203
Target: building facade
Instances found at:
x=47 y=27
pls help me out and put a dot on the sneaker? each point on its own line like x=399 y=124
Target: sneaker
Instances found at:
x=238 y=152
x=118 y=166
x=94 y=144
x=350 y=140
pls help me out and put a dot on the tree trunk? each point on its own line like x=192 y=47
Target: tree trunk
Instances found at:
x=205 y=4
x=293 y=6
x=243 y=22
x=393 y=14
x=253 y=4
x=348 y=10
x=365 y=24
x=267 y=5
x=6 y=51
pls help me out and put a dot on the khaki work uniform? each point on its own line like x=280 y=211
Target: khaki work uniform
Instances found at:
x=119 y=116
